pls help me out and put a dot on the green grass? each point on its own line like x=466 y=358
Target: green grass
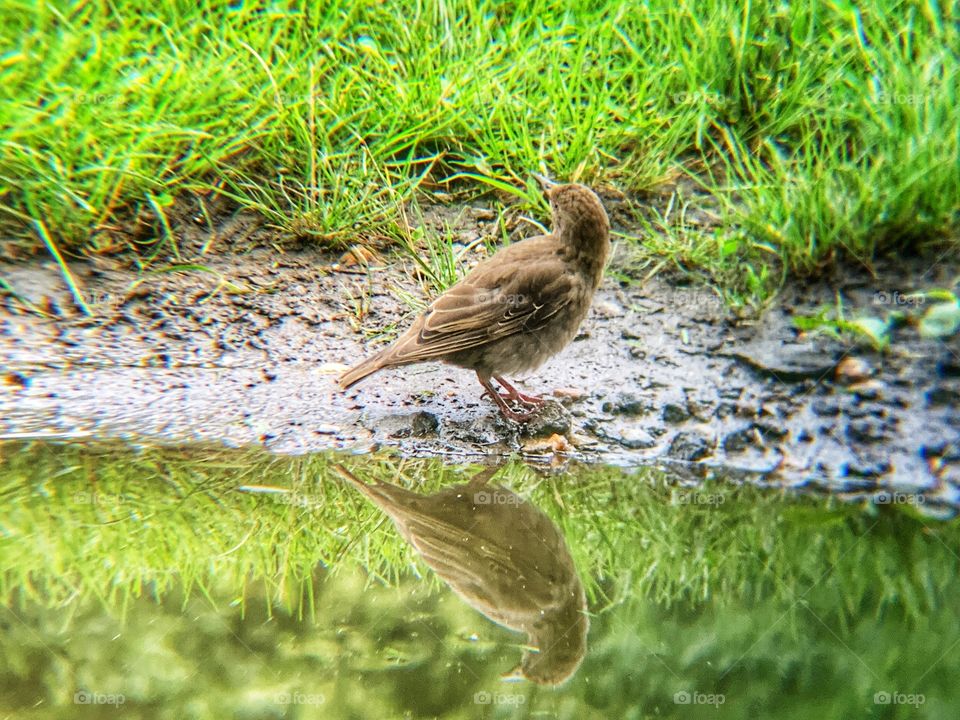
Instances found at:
x=935 y=313
x=822 y=129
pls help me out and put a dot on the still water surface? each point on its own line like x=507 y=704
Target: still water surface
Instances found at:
x=199 y=582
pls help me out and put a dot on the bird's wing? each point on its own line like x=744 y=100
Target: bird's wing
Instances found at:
x=487 y=305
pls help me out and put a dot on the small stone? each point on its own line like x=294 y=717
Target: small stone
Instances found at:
x=627 y=404
x=568 y=393
x=864 y=468
x=690 y=446
x=16 y=380
x=865 y=430
x=418 y=424
x=943 y=395
x=746 y=410
x=674 y=413
x=869 y=389
x=607 y=309
x=862 y=410
x=358 y=255
x=555 y=443
x=634 y=438
x=551 y=419
x=740 y=440
x=949 y=366
x=702 y=410
x=423 y=424
x=725 y=409
x=731 y=393
x=852 y=370
x=769 y=430
x=332 y=368
x=825 y=407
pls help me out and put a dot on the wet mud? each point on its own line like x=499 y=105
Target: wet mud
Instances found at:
x=248 y=349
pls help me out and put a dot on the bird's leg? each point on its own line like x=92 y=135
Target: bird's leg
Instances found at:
x=505 y=409
x=514 y=394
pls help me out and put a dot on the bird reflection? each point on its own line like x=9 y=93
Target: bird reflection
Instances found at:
x=502 y=555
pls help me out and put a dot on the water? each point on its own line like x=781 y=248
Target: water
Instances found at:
x=196 y=582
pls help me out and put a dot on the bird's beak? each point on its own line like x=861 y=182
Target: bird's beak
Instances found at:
x=545 y=183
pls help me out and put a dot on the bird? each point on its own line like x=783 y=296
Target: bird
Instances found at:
x=505 y=557
x=514 y=310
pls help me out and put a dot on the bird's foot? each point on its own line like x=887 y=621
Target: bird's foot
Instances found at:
x=528 y=401
x=532 y=401
x=513 y=395
x=518 y=417
x=503 y=402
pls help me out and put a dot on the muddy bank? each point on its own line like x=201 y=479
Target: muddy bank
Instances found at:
x=249 y=353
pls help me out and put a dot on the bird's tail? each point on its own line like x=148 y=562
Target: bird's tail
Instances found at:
x=359 y=372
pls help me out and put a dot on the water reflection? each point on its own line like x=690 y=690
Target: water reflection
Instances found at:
x=207 y=583
x=502 y=555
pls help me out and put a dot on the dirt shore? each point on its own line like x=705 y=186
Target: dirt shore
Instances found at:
x=660 y=372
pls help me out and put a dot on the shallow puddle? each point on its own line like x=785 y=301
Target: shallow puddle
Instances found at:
x=205 y=582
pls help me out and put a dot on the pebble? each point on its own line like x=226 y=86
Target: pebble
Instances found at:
x=825 y=407
x=868 y=389
x=552 y=419
x=943 y=395
x=690 y=446
x=554 y=444
x=568 y=393
x=769 y=430
x=627 y=404
x=740 y=440
x=852 y=370
x=675 y=413
x=634 y=438
x=865 y=430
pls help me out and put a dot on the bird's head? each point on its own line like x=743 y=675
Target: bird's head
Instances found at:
x=560 y=640
x=579 y=218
